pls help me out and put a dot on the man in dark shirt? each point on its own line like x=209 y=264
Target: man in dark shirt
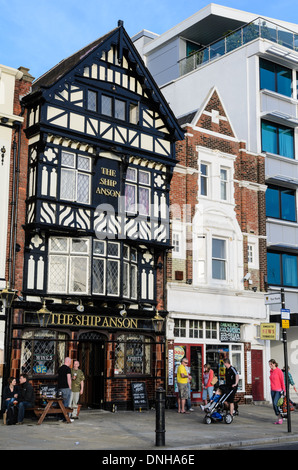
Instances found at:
x=232 y=379
x=25 y=397
x=64 y=381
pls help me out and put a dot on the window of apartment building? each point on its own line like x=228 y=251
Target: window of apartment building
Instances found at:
x=281 y=203
x=219 y=259
x=277 y=139
x=282 y=269
x=223 y=184
x=75 y=182
x=137 y=191
x=275 y=77
x=204 y=179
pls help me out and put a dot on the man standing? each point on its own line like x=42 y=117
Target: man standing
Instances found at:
x=232 y=379
x=25 y=397
x=182 y=381
x=64 y=381
x=77 y=387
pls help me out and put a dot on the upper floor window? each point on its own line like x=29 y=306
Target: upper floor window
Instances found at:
x=282 y=269
x=204 y=179
x=219 y=259
x=75 y=182
x=223 y=184
x=69 y=265
x=277 y=139
x=137 y=191
x=281 y=203
x=275 y=77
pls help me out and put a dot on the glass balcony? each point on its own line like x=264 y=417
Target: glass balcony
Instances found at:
x=259 y=28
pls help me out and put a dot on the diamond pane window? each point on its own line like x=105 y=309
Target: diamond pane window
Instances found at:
x=132 y=355
x=42 y=352
x=75 y=184
x=92 y=100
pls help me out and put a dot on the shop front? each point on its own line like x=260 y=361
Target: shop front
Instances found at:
x=113 y=352
x=206 y=342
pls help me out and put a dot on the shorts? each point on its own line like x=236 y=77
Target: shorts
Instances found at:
x=183 y=391
x=230 y=399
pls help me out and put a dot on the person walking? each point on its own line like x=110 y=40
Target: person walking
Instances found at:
x=208 y=388
x=277 y=384
x=77 y=388
x=182 y=381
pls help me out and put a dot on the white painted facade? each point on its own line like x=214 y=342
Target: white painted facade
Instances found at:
x=236 y=75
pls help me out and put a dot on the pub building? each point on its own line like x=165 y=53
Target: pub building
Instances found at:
x=101 y=153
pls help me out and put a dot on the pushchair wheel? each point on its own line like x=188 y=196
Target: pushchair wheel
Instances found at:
x=228 y=418
x=207 y=419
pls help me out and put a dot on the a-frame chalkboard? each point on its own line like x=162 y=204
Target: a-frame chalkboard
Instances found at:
x=139 y=396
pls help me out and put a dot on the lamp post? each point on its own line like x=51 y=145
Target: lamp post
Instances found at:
x=7 y=296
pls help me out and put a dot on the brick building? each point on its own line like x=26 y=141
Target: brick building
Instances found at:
x=14 y=85
x=218 y=232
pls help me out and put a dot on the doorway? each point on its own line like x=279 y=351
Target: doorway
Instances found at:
x=194 y=354
x=91 y=355
x=257 y=375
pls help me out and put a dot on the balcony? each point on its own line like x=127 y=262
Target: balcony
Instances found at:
x=259 y=28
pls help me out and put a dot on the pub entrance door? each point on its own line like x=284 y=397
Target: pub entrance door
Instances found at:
x=91 y=355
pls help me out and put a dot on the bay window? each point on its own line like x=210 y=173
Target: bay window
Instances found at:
x=75 y=182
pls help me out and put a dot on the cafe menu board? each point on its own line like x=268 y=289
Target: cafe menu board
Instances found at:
x=139 y=395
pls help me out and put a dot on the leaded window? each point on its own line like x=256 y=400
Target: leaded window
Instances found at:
x=42 y=352
x=69 y=265
x=132 y=355
x=75 y=183
x=114 y=269
x=137 y=191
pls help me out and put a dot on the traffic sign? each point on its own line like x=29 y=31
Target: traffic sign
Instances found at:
x=273 y=298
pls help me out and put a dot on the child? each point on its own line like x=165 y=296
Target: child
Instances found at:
x=214 y=399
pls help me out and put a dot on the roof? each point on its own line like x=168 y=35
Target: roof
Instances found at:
x=63 y=67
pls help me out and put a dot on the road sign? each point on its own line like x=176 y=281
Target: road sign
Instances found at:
x=273 y=298
x=285 y=323
x=285 y=313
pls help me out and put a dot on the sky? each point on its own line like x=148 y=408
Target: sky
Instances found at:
x=38 y=34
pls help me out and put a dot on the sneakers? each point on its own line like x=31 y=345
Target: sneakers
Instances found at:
x=280 y=421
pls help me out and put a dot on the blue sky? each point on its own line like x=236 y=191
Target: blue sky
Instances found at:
x=39 y=33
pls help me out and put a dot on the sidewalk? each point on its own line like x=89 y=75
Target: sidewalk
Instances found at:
x=133 y=430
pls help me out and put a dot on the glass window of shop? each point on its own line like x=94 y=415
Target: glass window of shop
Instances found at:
x=214 y=351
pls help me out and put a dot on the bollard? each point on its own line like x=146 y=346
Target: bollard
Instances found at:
x=160 y=417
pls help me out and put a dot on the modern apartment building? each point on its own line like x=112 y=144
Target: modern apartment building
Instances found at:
x=252 y=62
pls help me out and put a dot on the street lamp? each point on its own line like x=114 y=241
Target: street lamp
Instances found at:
x=44 y=315
x=7 y=296
x=157 y=322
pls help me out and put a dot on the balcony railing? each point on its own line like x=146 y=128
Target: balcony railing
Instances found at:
x=259 y=28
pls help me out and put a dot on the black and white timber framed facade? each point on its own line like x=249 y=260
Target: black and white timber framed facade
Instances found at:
x=101 y=155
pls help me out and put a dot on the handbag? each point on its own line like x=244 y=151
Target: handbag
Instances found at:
x=214 y=380
x=280 y=401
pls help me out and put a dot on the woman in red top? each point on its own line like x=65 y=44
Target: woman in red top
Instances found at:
x=207 y=387
x=277 y=387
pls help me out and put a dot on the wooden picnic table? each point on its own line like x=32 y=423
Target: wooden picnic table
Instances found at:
x=50 y=409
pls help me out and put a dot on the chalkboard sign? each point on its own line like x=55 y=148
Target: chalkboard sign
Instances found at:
x=48 y=390
x=139 y=395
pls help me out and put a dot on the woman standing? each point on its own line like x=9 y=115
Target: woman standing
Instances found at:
x=207 y=379
x=277 y=387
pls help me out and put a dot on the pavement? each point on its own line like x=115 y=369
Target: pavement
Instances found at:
x=133 y=431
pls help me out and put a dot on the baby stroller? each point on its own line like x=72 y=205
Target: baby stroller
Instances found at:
x=216 y=412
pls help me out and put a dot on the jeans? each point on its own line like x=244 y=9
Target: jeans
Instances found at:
x=208 y=391
x=22 y=407
x=66 y=396
x=275 y=397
